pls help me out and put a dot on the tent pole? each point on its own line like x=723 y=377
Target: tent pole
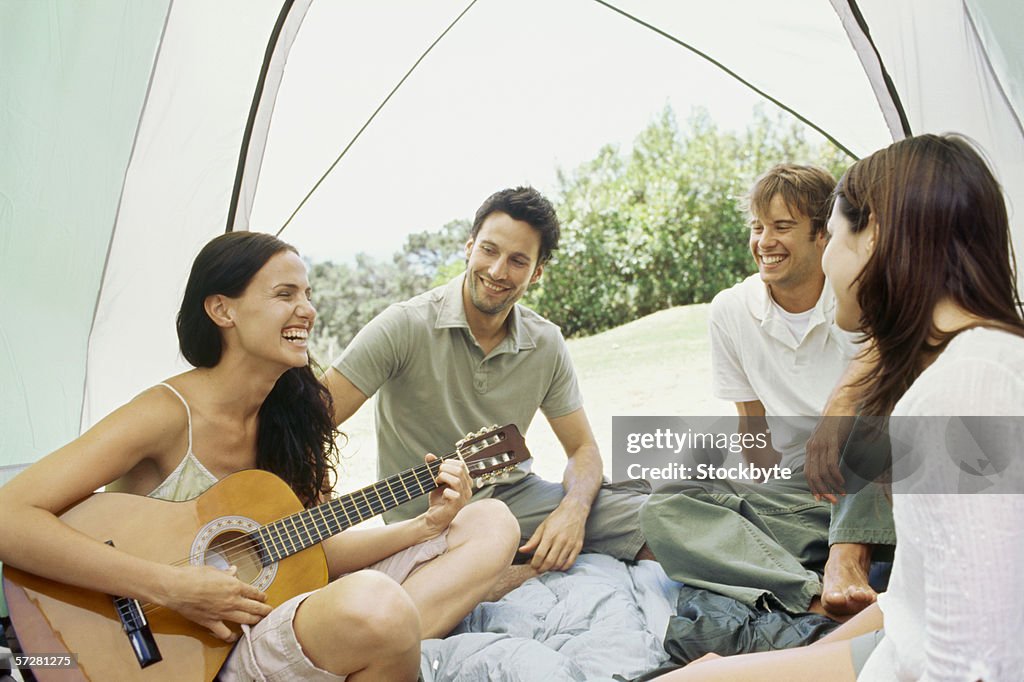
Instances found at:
x=733 y=74
x=269 y=55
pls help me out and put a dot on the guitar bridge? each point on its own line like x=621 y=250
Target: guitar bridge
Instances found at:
x=136 y=627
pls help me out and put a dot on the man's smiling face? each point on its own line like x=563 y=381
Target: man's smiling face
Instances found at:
x=786 y=253
x=501 y=263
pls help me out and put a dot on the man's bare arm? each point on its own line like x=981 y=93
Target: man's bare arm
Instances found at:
x=752 y=421
x=347 y=398
x=584 y=469
x=558 y=540
x=825 y=444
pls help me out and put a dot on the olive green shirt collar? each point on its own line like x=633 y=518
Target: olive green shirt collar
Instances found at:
x=451 y=314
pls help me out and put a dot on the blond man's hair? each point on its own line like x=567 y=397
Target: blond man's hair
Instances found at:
x=807 y=189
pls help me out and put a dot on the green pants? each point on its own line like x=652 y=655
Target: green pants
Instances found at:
x=761 y=544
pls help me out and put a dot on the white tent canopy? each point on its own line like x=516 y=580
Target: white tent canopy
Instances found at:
x=134 y=131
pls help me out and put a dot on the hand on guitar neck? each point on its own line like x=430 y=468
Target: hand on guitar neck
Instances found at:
x=453 y=493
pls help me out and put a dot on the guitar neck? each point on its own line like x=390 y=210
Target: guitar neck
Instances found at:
x=294 y=533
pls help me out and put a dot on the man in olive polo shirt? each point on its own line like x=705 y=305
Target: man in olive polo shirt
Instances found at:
x=466 y=355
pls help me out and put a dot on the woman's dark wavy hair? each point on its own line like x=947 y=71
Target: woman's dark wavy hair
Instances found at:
x=943 y=232
x=296 y=436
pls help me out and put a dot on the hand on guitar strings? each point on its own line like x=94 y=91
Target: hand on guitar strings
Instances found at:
x=453 y=493
x=213 y=598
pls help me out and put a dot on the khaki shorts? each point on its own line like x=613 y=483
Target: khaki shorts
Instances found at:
x=613 y=526
x=269 y=650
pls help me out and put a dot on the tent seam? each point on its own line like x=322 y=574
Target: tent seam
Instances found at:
x=731 y=73
x=257 y=99
x=894 y=94
x=373 y=116
x=991 y=68
x=117 y=212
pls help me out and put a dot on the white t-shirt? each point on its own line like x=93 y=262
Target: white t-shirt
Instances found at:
x=954 y=609
x=755 y=356
x=797 y=322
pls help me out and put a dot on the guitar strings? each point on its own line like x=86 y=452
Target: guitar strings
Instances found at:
x=249 y=543
x=244 y=546
x=362 y=509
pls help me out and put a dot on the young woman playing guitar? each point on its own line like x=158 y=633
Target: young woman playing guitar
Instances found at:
x=252 y=401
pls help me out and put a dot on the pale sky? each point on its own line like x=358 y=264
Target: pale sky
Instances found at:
x=516 y=90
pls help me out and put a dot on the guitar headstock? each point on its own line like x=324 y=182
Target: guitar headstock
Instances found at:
x=493 y=452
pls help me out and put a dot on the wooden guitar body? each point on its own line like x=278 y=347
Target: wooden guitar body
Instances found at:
x=251 y=520
x=52 y=617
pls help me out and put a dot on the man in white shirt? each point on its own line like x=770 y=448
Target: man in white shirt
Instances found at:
x=777 y=354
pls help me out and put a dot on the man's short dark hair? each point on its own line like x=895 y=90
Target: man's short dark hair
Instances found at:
x=528 y=205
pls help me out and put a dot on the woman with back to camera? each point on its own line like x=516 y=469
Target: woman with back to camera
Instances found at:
x=921 y=262
x=253 y=401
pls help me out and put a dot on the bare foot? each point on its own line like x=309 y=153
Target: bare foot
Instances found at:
x=845 y=590
x=510 y=579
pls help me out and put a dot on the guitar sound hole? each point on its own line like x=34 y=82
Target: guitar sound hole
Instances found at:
x=234 y=548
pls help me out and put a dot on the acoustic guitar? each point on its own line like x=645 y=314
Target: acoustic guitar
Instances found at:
x=251 y=520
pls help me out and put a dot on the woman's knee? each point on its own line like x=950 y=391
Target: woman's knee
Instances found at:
x=378 y=608
x=489 y=522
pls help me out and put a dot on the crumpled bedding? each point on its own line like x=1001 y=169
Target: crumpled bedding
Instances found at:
x=601 y=621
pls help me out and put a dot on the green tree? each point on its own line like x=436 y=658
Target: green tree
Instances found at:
x=349 y=296
x=666 y=223
x=429 y=253
x=661 y=225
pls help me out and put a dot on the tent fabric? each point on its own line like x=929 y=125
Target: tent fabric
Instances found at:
x=996 y=24
x=73 y=78
x=123 y=124
x=177 y=190
x=255 y=141
x=799 y=55
x=892 y=109
x=949 y=82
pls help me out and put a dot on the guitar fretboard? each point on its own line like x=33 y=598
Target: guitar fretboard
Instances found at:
x=294 y=533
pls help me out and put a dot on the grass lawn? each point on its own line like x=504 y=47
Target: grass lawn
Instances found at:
x=657 y=365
